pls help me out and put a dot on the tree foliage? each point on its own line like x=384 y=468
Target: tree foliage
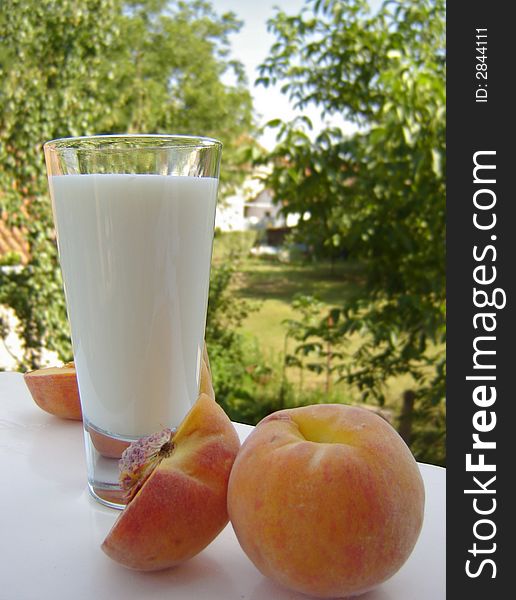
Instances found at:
x=378 y=195
x=78 y=67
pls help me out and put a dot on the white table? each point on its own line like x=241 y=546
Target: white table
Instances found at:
x=51 y=529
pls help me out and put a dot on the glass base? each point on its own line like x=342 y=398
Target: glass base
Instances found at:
x=103 y=452
x=112 y=497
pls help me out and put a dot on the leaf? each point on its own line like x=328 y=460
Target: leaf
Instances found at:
x=292 y=361
x=436 y=162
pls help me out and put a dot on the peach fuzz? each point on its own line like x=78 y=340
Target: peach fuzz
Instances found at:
x=326 y=500
x=54 y=389
x=181 y=507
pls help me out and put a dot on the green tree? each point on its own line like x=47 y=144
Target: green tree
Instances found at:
x=52 y=68
x=173 y=73
x=378 y=195
x=324 y=338
x=77 y=67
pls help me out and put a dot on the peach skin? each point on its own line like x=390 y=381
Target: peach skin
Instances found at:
x=178 y=507
x=54 y=389
x=326 y=500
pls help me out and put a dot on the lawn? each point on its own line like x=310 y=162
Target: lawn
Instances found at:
x=270 y=287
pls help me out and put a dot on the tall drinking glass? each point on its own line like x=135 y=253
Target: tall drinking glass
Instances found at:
x=134 y=216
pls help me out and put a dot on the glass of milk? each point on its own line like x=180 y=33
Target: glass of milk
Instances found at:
x=134 y=216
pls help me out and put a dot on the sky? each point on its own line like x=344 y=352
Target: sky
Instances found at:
x=251 y=46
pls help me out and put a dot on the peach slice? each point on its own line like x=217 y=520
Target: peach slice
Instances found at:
x=181 y=505
x=326 y=500
x=54 y=389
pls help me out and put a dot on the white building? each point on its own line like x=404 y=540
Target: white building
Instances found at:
x=252 y=207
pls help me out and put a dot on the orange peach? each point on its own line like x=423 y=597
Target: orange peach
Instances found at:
x=181 y=506
x=326 y=500
x=54 y=389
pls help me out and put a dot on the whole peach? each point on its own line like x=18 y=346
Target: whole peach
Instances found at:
x=326 y=499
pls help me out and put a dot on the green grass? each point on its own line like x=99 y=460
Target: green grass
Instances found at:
x=270 y=287
x=268 y=280
x=266 y=324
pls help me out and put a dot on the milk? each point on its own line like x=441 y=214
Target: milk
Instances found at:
x=135 y=254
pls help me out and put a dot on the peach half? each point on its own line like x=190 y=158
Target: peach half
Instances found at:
x=326 y=500
x=180 y=495
x=54 y=389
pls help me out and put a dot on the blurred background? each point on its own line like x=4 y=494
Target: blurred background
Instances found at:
x=328 y=271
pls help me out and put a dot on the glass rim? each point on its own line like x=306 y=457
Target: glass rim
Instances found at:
x=150 y=141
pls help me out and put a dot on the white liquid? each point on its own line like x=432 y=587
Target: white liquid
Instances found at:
x=135 y=252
